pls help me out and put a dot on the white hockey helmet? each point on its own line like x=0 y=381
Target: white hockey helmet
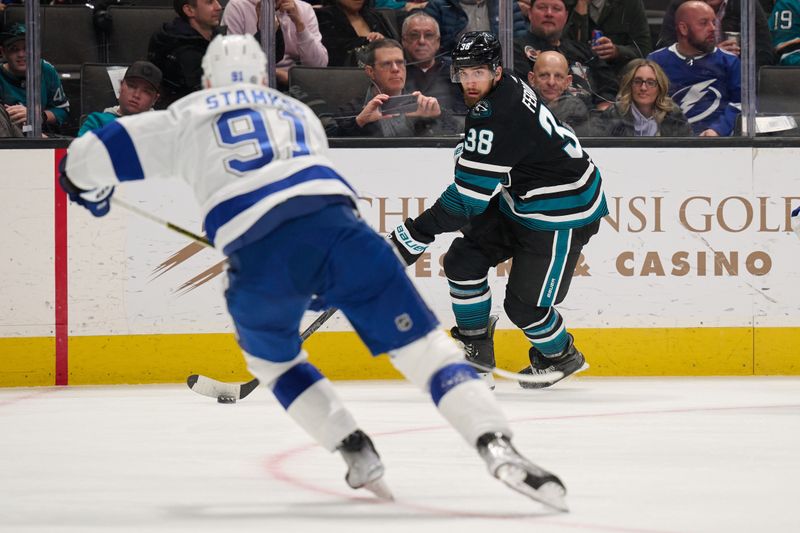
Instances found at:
x=233 y=59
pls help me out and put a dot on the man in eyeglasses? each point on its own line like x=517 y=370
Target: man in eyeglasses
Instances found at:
x=376 y=116
x=426 y=71
x=524 y=190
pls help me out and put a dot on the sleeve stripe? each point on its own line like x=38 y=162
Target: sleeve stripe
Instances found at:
x=121 y=151
x=483 y=166
x=463 y=191
x=474 y=181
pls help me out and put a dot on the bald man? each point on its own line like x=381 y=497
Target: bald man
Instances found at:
x=704 y=80
x=551 y=78
x=729 y=19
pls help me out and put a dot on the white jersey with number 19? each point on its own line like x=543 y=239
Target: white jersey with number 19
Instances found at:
x=253 y=156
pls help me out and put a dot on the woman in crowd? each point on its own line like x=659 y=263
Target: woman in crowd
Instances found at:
x=347 y=27
x=643 y=107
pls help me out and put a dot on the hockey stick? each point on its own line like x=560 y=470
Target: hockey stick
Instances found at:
x=230 y=392
x=550 y=377
x=160 y=221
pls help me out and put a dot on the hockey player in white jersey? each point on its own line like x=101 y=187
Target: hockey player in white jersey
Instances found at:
x=275 y=205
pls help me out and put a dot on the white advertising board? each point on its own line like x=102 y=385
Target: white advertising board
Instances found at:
x=695 y=237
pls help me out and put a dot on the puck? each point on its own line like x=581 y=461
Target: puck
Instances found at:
x=226 y=399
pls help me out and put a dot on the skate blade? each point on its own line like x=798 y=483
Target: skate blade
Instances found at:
x=380 y=489
x=550 y=494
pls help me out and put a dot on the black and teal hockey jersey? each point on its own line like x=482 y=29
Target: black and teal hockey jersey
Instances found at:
x=514 y=143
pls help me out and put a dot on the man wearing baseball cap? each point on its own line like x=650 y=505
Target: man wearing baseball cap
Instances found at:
x=138 y=92
x=13 y=94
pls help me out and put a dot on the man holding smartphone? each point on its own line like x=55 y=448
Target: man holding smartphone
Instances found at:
x=385 y=111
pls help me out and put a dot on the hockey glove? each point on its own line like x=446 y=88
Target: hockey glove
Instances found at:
x=97 y=200
x=409 y=243
x=796 y=221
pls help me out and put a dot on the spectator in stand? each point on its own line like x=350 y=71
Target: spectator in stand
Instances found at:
x=728 y=18
x=456 y=17
x=643 y=107
x=347 y=27
x=386 y=67
x=299 y=28
x=425 y=72
x=13 y=95
x=704 y=80
x=785 y=29
x=593 y=79
x=551 y=78
x=177 y=49
x=626 y=32
x=138 y=92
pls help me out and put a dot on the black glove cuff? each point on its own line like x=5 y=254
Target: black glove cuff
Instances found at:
x=416 y=234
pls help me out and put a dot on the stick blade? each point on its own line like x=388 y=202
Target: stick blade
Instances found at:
x=216 y=389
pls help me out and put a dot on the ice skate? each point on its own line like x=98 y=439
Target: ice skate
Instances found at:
x=568 y=363
x=480 y=350
x=365 y=469
x=506 y=464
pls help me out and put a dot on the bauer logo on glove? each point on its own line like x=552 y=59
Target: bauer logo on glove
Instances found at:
x=412 y=245
x=408 y=245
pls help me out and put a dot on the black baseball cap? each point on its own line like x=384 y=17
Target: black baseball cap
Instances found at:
x=13 y=33
x=146 y=71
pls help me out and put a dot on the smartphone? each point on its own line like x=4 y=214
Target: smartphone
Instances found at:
x=395 y=105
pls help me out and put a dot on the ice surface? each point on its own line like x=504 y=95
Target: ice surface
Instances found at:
x=637 y=455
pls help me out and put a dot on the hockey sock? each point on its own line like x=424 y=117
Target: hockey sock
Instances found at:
x=472 y=302
x=548 y=335
x=309 y=398
x=436 y=365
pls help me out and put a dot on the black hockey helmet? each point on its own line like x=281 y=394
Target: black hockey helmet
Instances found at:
x=474 y=49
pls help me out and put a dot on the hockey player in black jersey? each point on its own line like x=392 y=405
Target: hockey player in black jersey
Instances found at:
x=524 y=190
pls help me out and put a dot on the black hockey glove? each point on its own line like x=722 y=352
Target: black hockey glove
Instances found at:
x=97 y=200
x=409 y=243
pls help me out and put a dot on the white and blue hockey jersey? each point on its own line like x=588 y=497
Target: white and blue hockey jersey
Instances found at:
x=707 y=88
x=254 y=157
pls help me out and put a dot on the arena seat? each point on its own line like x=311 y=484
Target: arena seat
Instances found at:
x=336 y=85
x=131 y=29
x=68 y=35
x=97 y=92
x=777 y=89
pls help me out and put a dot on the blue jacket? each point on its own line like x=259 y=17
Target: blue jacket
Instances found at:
x=452 y=20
